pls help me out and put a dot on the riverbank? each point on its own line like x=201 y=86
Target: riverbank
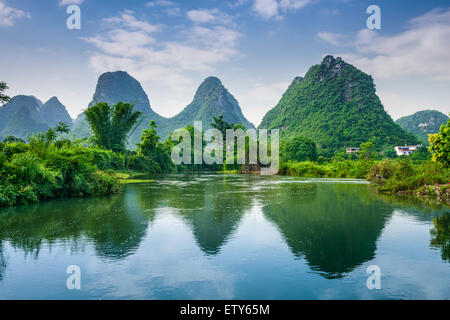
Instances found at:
x=427 y=180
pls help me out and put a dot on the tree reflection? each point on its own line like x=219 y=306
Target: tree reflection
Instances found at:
x=115 y=225
x=2 y=262
x=212 y=207
x=441 y=235
x=335 y=231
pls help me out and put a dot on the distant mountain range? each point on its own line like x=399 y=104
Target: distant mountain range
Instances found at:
x=335 y=105
x=211 y=99
x=25 y=115
x=423 y=123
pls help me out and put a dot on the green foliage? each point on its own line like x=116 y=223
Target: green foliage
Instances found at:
x=298 y=149
x=153 y=156
x=221 y=125
x=336 y=106
x=390 y=153
x=440 y=145
x=3 y=98
x=13 y=139
x=406 y=176
x=423 y=123
x=357 y=169
x=111 y=125
x=421 y=154
x=43 y=169
x=367 y=151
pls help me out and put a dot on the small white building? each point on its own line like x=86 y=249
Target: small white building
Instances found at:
x=406 y=150
x=352 y=150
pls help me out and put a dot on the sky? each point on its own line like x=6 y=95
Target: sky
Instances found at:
x=256 y=47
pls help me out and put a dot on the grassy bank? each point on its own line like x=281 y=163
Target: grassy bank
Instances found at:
x=402 y=176
x=426 y=179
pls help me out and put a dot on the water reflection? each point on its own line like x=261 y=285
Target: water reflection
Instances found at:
x=441 y=235
x=2 y=262
x=212 y=206
x=334 y=227
x=115 y=225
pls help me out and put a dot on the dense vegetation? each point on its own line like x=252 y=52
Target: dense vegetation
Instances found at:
x=440 y=145
x=50 y=164
x=336 y=106
x=423 y=123
x=43 y=169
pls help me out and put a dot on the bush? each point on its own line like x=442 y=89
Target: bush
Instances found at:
x=10 y=149
x=405 y=176
x=143 y=163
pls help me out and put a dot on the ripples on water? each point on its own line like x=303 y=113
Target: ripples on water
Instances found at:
x=228 y=237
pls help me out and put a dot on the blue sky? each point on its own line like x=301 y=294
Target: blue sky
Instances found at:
x=256 y=47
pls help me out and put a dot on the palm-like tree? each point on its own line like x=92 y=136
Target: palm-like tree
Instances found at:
x=112 y=124
x=3 y=98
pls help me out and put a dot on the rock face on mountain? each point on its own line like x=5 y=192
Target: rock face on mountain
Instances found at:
x=335 y=105
x=53 y=111
x=423 y=123
x=212 y=99
x=21 y=116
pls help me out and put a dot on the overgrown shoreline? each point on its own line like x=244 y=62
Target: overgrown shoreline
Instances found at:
x=427 y=180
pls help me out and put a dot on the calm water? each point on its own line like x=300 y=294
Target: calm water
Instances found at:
x=227 y=237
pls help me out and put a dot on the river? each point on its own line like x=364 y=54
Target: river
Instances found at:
x=227 y=237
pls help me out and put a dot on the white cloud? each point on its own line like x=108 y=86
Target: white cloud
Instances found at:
x=266 y=8
x=202 y=16
x=209 y=16
x=421 y=50
x=173 y=12
x=132 y=45
x=161 y=3
x=275 y=8
x=330 y=37
x=127 y=20
x=8 y=15
x=69 y=2
x=260 y=98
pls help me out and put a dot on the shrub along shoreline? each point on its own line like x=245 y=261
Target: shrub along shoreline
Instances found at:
x=43 y=170
x=424 y=179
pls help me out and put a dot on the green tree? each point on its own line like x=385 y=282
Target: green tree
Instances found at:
x=390 y=153
x=3 y=98
x=440 y=145
x=221 y=125
x=299 y=149
x=368 y=151
x=152 y=151
x=62 y=128
x=149 y=141
x=11 y=139
x=421 y=154
x=112 y=125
